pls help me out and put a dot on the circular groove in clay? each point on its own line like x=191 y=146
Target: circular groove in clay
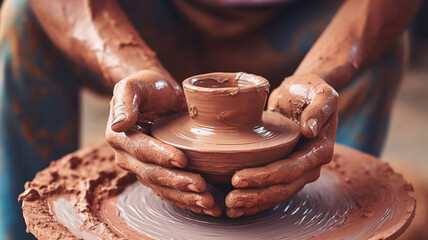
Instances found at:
x=296 y=218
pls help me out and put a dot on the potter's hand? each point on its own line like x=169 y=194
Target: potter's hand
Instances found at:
x=311 y=102
x=137 y=101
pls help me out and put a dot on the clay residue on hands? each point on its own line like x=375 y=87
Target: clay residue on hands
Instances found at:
x=360 y=32
x=312 y=104
x=97 y=34
x=356 y=197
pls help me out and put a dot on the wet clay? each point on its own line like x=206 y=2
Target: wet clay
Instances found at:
x=84 y=178
x=98 y=35
x=226 y=128
x=85 y=195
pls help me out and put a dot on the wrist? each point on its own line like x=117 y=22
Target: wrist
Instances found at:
x=114 y=75
x=336 y=75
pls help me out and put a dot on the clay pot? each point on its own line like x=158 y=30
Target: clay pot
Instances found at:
x=226 y=129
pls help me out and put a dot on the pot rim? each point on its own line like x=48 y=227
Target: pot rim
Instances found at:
x=258 y=81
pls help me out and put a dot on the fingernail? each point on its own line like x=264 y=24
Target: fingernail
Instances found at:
x=176 y=163
x=313 y=125
x=242 y=184
x=208 y=212
x=200 y=204
x=236 y=214
x=119 y=118
x=235 y=179
x=192 y=187
x=239 y=182
x=238 y=204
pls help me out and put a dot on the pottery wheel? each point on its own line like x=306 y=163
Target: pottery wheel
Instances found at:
x=85 y=195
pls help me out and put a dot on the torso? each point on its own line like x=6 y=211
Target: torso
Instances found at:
x=192 y=38
x=242 y=2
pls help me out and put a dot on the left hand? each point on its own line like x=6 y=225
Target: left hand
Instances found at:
x=138 y=100
x=312 y=103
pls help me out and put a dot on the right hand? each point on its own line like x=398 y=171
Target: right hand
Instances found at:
x=137 y=102
x=311 y=102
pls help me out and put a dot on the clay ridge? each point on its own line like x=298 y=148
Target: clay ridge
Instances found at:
x=87 y=176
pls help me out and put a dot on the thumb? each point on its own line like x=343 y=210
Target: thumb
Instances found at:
x=125 y=105
x=316 y=114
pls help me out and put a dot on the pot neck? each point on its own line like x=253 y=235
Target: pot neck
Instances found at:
x=226 y=101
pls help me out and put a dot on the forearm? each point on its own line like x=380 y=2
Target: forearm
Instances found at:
x=98 y=34
x=359 y=33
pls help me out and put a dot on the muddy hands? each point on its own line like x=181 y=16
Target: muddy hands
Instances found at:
x=313 y=104
x=137 y=101
x=140 y=99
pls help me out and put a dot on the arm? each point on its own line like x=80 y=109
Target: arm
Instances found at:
x=359 y=33
x=98 y=34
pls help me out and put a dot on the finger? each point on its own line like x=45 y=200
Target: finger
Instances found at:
x=321 y=108
x=309 y=154
x=154 y=174
x=203 y=200
x=273 y=194
x=146 y=148
x=172 y=178
x=214 y=211
x=238 y=212
x=126 y=102
x=274 y=101
x=195 y=209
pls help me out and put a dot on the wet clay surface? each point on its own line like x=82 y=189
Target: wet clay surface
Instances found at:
x=84 y=178
x=356 y=197
x=226 y=128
